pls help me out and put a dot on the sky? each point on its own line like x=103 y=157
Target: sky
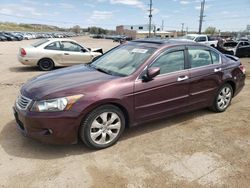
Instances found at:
x=225 y=15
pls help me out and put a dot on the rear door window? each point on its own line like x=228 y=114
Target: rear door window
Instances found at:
x=199 y=57
x=54 y=46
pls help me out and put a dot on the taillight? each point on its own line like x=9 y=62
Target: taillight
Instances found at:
x=23 y=52
x=243 y=69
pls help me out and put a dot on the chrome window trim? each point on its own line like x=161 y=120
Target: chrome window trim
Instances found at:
x=172 y=50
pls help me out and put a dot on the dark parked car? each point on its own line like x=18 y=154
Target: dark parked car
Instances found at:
x=2 y=38
x=8 y=37
x=134 y=83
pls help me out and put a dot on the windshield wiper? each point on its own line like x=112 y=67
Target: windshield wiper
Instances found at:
x=102 y=70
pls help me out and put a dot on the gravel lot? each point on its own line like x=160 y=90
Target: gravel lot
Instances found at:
x=198 y=149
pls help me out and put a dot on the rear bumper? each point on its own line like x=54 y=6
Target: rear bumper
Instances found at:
x=240 y=84
x=27 y=61
x=54 y=128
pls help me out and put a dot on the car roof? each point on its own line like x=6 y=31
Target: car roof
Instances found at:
x=60 y=39
x=165 y=42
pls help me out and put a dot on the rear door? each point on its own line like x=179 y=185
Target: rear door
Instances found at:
x=205 y=75
x=74 y=54
x=243 y=49
x=167 y=93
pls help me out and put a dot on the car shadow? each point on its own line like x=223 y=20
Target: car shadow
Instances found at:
x=180 y=119
x=28 y=69
x=17 y=145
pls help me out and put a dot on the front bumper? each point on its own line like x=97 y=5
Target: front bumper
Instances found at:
x=53 y=128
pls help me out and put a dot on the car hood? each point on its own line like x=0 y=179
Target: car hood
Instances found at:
x=64 y=82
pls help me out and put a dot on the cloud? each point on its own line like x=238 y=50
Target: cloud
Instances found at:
x=100 y=15
x=20 y=10
x=134 y=3
x=184 y=2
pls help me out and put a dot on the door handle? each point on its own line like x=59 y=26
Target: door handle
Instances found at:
x=181 y=78
x=217 y=69
x=66 y=53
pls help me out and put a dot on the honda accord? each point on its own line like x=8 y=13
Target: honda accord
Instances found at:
x=137 y=82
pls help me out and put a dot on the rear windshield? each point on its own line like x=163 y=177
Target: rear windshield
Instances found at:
x=39 y=43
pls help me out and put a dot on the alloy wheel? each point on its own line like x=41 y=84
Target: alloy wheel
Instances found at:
x=105 y=128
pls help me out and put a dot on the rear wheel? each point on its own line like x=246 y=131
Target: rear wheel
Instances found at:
x=46 y=64
x=102 y=127
x=223 y=98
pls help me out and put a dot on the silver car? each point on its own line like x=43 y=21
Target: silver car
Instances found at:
x=49 y=53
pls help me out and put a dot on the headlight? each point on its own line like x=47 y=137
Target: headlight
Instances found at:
x=55 y=105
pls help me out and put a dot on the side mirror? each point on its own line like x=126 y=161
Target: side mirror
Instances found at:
x=151 y=73
x=83 y=50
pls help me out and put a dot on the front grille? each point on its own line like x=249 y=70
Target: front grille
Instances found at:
x=23 y=102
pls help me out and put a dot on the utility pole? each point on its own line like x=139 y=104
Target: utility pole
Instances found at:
x=182 y=29
x=201 y=15
x=150 y=19
x=162 y=25
x=186 y=30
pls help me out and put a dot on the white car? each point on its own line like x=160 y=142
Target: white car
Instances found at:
x=204 y=39
x=49 y=53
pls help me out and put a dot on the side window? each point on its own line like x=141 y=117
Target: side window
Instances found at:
x=199 y=57
x=53 y=46
x=215 y=57
x=200 y=39
x=170 y=62
x=70 y=46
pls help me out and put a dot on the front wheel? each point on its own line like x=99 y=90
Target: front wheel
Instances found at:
x=102 y=127
x=223 y=98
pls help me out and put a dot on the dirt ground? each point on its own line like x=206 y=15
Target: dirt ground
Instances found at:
x=198 y=149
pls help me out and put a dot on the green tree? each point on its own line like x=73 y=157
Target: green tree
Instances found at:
x=210 y=30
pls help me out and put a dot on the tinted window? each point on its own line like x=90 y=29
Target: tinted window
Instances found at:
x=170 y=62
x=199 y=57
x=215 y=57
x=70 y=46
x=53 y=46
x=200 y=39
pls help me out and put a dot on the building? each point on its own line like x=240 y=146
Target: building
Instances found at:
x=248 y=27
x=142 y=31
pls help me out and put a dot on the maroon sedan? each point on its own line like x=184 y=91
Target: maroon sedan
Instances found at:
x=134 y=83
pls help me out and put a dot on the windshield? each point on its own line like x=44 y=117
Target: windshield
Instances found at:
x=38 y=43
x=124 y=60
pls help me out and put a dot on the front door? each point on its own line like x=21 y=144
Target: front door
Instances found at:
x=74 y=54
x=167 y=92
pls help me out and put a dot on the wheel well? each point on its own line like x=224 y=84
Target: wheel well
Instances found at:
x=44 y=59
x=125 y=112
x=232 y=84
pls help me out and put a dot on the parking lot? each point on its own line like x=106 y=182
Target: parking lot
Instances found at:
x=197 y=149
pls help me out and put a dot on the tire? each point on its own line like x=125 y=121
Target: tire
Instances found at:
x=46 y=64
x=223 y=98
x=98 y=131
